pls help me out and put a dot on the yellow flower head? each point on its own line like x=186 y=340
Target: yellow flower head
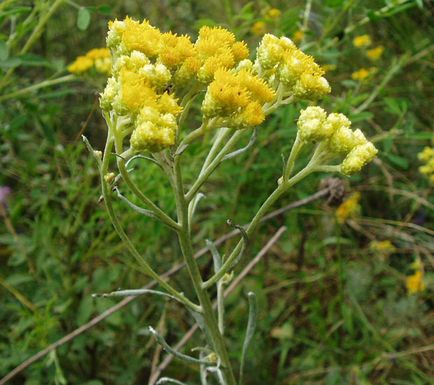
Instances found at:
x=415 y=282
x=99 y=53
x=310 y=124
x=174 y=50
x=273 y=13
x=298 y=36
x=358 y=157
x=237 y=98
x=258 y=28
x=375 y=53
x=328 y=67
x=97 y=58
x=362 y=73
x=383 y=248
x=80 y=65
x=141 y=37
x=217 y=48
x=349 y=208
x=427 y=157
x=135 y=91
x=362 y=41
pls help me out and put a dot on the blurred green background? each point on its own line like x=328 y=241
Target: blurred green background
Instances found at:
x=337 y=303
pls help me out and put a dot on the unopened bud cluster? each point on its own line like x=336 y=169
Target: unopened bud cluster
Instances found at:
x=315 y=125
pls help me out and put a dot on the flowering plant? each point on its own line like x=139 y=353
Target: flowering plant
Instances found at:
x=155 y=79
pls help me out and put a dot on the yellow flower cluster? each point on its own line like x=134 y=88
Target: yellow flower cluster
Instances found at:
x=415 y=282
x=362 y=41
x=214 y=48
x=97 y=58
x=150 y=67
x=236 y=98
x=427 y=156
x=349 y=208
x=280 y=62
x=314 y=125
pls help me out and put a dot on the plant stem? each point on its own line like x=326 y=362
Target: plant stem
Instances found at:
x=184 y=237
x=296 y=147
x=35 y=87
x=204 y=175
x=118 y=227
x=276 y=194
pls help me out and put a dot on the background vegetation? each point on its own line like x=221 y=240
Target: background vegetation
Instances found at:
x=334 y=306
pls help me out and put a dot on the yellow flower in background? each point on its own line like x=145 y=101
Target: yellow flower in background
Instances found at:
x=427 y=157
x=349 y=208
x=382 y=248
x=298 y=36
x=363 y=73
x=273 y=13
x=362 y=41
x=259 y=28
x=415 y=282
x=329 y=67
x=97 y=58
x=375 y=53
x=80 y=65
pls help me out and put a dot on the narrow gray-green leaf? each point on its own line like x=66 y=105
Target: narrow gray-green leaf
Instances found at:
x=83 y=18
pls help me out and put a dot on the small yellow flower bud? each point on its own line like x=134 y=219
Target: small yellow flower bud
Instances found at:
x=334 y=122
x=109 y=94
x=97 y=154
x=227 y=278
x=310 y=124
x=311 y=86
x=212 y=358
x=358 y=157
x=109 y=177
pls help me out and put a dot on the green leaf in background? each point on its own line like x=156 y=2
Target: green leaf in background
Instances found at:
x=83 y=18
x=398 y=161
x=4 y=51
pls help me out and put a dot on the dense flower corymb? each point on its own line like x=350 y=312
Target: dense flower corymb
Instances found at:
x=153 y=70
